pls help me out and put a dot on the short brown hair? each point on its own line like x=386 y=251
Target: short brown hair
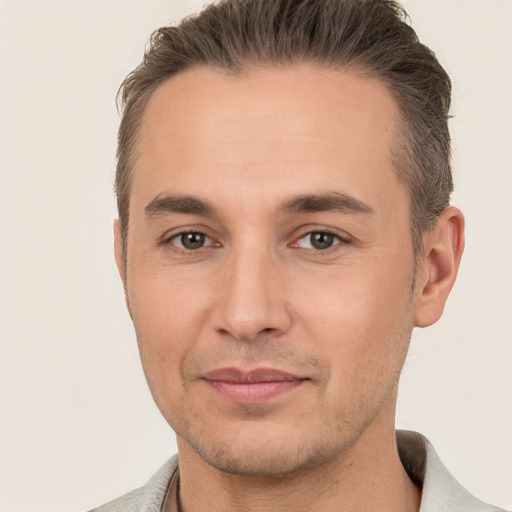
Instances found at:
x=371 y=36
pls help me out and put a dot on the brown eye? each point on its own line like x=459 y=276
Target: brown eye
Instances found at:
x=318 y=240
x=321 y=240
x=191 y=240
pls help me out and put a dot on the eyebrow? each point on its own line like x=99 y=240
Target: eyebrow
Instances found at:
x=179 y=204
x=308 y=203
x=331 y=201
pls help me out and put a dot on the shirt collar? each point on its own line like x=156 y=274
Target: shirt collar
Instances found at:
x=440 y=491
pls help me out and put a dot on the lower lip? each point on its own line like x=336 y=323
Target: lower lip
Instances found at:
x=254 y=392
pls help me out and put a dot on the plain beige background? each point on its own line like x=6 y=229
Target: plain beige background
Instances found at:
x=78 y=426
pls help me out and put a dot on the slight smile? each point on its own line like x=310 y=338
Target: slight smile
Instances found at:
x=251 y=387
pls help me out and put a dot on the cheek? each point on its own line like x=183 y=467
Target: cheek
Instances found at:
x=163 y=303
x=168 y=317
x=361 y=328
x=356 y=315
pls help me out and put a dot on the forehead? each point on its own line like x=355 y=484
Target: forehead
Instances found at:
x=302 y=125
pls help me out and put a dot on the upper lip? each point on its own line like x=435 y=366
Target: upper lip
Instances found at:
x=236 y=375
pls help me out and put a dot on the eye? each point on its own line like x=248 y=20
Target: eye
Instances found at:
x=191 y=240
x=318 y=240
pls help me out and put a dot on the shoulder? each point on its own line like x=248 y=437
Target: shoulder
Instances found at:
x=148 y=498
x=129 y=502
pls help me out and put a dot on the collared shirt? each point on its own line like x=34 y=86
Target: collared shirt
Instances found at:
x=440 y=491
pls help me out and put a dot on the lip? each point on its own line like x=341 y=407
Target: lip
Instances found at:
x=251 y=387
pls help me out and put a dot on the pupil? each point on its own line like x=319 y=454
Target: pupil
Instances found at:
x=322 y=240
x=192 y=240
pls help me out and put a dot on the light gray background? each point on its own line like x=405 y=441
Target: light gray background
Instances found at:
x=78 y=426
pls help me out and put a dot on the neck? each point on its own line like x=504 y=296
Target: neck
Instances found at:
x=368 y=477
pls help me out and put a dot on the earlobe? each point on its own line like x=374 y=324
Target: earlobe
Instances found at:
x=443 y=247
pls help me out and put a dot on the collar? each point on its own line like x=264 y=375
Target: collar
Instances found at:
x=441 y=492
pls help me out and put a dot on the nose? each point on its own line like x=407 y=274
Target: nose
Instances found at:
x=252 y=298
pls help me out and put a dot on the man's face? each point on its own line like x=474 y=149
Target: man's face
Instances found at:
x=270 y=270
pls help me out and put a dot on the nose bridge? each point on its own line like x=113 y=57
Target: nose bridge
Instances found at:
x=252 y=299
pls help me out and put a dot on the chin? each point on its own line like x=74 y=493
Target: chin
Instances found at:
x=261 y=453
x=259 y=463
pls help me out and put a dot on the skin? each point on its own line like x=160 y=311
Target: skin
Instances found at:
x=258 y=294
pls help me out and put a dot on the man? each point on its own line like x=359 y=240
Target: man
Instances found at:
x=283 y=187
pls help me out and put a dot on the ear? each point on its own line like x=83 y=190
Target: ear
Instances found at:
x=120 y=259
x=119 y=252
x=443 y=247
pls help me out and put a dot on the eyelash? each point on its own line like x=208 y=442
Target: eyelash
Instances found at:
x=339 y=240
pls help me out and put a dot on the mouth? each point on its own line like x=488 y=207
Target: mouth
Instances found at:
x=251 y=387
